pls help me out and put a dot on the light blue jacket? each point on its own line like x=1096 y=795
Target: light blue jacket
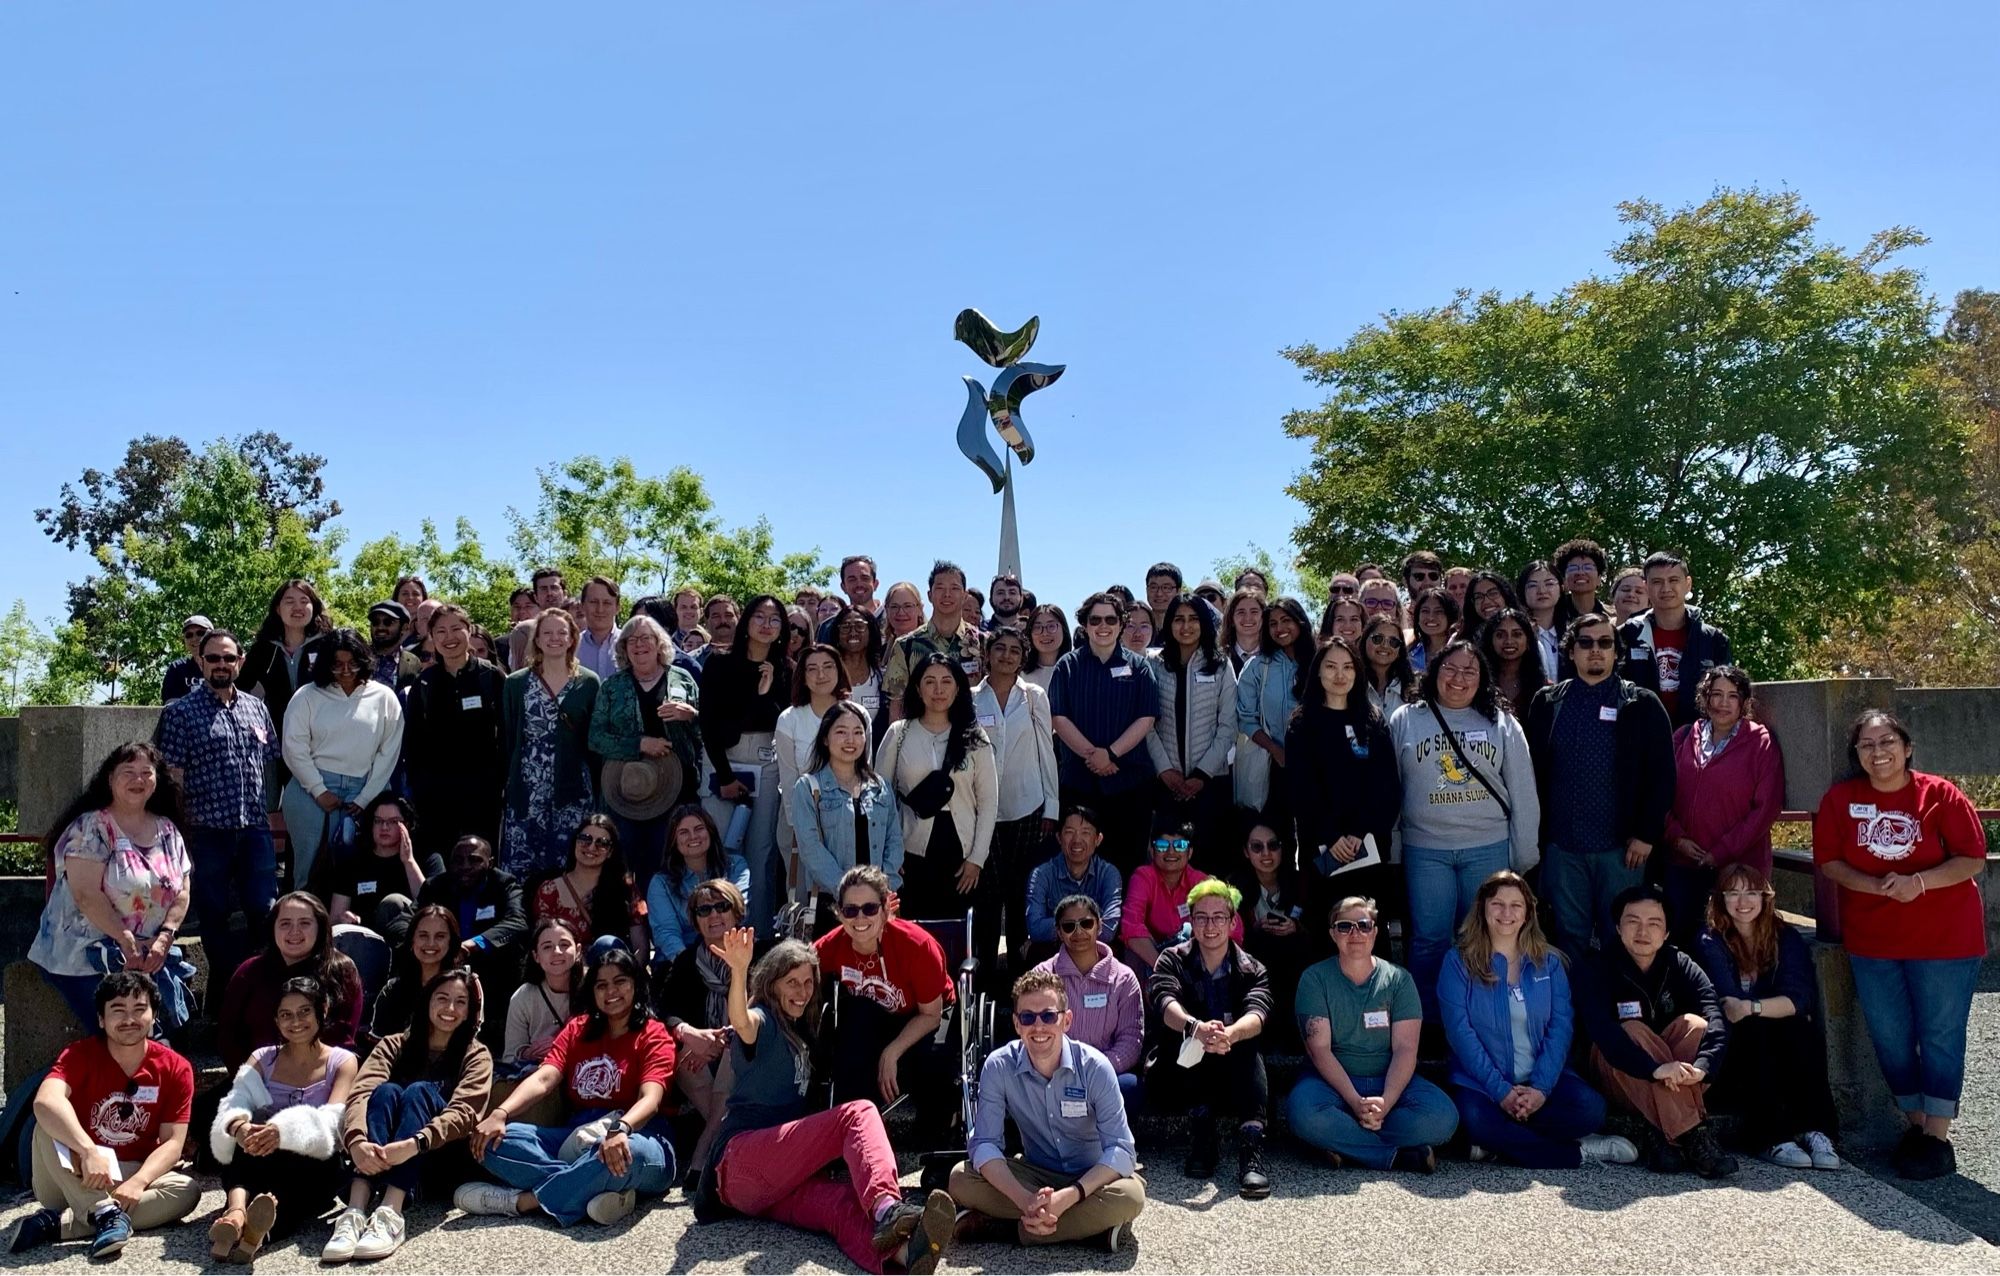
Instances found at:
x=667 y=906
x=1481 y=1034
x=823 y=820
x=1264 y=699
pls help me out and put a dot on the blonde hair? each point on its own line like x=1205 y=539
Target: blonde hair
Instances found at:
x=1475 y=942
x=535 y=637
x=639 y=624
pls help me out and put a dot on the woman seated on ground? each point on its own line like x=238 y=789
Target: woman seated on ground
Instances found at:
x=376 y=884
x=769 y=1156
x=1210 y=998
x=892 y=983
x=1773 y=1072
x=695 y=854
x=542 y=1004
x=431 y=948
x=278 y=1128
x=1108 y=1005
x=1272 y=916
x=1361 y=1099
x=1077 y=870
x=301 y=944
x=613 y=1064
x=694 y=1004
x=1504 y=999
x=594 y=893
x=422 y=1088
x=1156 y=905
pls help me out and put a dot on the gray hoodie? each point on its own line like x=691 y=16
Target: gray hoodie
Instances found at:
x=1444 y=806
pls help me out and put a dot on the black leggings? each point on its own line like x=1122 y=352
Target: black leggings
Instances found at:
x=1773 y=1075
x=305 y=1186
x=1233 y=1084
x=927 y=1071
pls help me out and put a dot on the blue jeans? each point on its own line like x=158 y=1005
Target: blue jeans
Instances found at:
x=232 y=868
x=398 y=1112
x=304 y=821
x=1579 y=886
x=1423 y=1117
x=1545 y=1141
x=80 y=993
x=1442 y=884
x=1916 y=1012
x=525 y=1160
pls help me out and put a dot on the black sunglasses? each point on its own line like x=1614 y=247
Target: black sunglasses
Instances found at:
x=1076 y=924
x=1342 y=591
x=592 y=839
x=1609 y=643
x=220 y=660
x=710 y=910
x=1384 y=640
x=852 y=911
x=1029 y=1018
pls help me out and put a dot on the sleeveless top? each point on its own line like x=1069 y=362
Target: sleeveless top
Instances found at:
x=288 y=1096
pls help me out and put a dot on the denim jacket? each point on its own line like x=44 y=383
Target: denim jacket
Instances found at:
x=1264 y=699
x=1481 y=1034
x=823 y=819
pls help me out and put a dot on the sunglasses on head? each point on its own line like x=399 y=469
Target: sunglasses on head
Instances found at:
x=852 y=911
x=1029 y=1018
x=1363 y=927
x=710 y=910
x=1075 y=924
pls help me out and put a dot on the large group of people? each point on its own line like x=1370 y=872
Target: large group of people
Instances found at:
x=590 y=908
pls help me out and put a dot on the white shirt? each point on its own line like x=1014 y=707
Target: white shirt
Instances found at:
x=1024 y=744
x=361 y=734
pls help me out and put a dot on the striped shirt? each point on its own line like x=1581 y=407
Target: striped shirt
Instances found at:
x=1101 y=698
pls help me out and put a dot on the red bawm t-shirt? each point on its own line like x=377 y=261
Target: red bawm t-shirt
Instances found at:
x=1917 y=827
x=125 y=1114
x=1669 y=645
x=607 y=1072
x=905 y=970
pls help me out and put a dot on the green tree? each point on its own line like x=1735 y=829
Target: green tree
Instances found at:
x=1301 y=580
x=1767 y=403
x=461 y=573
x=24 y=650
x=652 y=535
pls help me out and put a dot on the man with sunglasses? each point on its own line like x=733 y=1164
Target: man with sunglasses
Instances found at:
x=218 y=742
x=111 y=1122
x=1421 y=570
x=1603 y=750
x=1343 y=585
x=1103 y=699
x=1076 y=1177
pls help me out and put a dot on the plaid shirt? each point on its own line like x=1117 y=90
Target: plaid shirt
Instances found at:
x=221 y=751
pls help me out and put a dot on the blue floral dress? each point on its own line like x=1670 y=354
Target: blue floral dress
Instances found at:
x=536 y=841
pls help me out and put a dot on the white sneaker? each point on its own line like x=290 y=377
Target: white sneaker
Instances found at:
x=384 y=1235
x=1820 y=1148
x=1476 y=1153
x=346 y=1231
x=609 y=1207
x=487 y=1198
x=1612 y=1149
x=1788 y=1154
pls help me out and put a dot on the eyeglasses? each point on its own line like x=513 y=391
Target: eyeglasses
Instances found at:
x=1378 y=603
x=1354 y=928
x=221 y=660
x=852 y=911
x=1029 y=1018
x=710 y=910
x=593 y=839
x=1384 y=640
x=1580 y=569
x=1094 y=621
x=1170 y=845
x=1076 y=924
x=1048 y=627
x=1607 y=643
x=1878 y=746
x=1210 y=919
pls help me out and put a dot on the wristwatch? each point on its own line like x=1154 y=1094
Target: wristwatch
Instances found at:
x=423 y=1138
x=1757 y=1008
x=616 y=1125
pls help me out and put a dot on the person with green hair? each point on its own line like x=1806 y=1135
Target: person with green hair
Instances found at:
x=1210 y=1001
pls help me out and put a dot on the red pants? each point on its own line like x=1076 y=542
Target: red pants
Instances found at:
x=776 y=1174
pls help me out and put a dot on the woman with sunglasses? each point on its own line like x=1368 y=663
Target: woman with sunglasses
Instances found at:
x=1360 y=1098
x=694 y=1004
x=1344 y=784
x=1156 y=902
x=1266 y=694
x=1508 y=643
x=1209 y=1000
x=594 y=893
x=1048 y=642
x=1076 y=869
x=695 y=855
x=1385 y=665
x=1108 y=1006
x=1274 y=903
x=892 y=986
x=857 y=637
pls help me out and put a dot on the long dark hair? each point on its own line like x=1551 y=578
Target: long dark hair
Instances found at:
x=642 y=998
x=1301 y=649
x=675 y=864
x=1033 y=660
x=273 y=628
x=1470 y=623
x=610 y=909
x=1311 y=697
x=314 y=993
x=1485 y=701
x=404 y=964
x=964 y=719
x=1533 y=676
x=413 y=1062
x=1399 y=671
x=780 y=646
x=820 y=755
x=1446 y=603
x=96 y=795
x=1206 y=645
x=877 y=650
x=330 y=966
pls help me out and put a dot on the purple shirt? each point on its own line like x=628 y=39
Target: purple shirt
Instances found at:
x=1108 y=1006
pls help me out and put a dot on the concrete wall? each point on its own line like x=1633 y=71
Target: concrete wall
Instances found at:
x=59 y=749
x=10 y=743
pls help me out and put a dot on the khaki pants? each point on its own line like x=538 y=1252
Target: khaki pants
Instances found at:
x=1118 y=1201
x=1672 y=1112
x=170 y=1198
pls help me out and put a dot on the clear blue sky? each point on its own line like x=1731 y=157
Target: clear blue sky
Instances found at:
x=444 y=244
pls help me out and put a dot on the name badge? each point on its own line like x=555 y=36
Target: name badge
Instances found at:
x=1471 y=737
x=1204 y=677
x=1297 y=912
x=469 y=702
x=1350 y=733
x=985 y=719
x=485 y=914
x=146 y=1094
x=1374 y=1018
x=1518 y=994
x=364 y=888
x=850 y=975
x=1628 y=1010
x=1074 y=1092
x=1642 y=653
x=1075 y=1108
x=1183 y=911
x=677 y=695
x=1122 y=671
x=1096 y=1000
x=1861 y=810
x=767 y=753
x=1607 y=713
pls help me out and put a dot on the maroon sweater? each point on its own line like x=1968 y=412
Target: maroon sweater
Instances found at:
x=249 y=1015
x=1728 y=804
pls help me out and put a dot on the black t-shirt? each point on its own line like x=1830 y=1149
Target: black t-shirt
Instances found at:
x=649 y=706
x=365 y=878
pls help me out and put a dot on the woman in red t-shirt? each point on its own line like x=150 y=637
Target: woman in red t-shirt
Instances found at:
x=1906 y=848
x=613 y=1063
x=887 y=980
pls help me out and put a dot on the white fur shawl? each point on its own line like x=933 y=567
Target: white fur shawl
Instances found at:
x=306 y=1130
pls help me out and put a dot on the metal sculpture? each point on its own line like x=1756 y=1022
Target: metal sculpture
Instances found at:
x=1002 y=406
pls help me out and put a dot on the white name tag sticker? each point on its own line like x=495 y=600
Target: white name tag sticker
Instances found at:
x=1122 y=671
x=1471 y=737
x=1075 y=1108
x=1374 y=1018
x=1183 y=911
x=970 y=666
x=146 y=1094
x=767 y=753
x=1628 y=1010
x=986 y=719
x=469 y=702
x=1096 y=1000
x=485 y=914
x=364 y=888
x=850 y=975
x=1204 y=677
x=1607 y=713
x=1861 y=810
x=1642 y=653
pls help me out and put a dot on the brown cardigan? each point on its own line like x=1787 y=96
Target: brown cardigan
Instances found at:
x=466 y=1106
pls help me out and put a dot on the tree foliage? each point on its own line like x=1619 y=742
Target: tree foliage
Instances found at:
x=1301 y=580
x=461 y=573
x=1766 y=403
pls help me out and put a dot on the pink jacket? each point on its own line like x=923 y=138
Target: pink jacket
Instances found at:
x=1152 y=913
x=1728 y=804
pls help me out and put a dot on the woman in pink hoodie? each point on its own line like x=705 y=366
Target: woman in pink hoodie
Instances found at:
x=1729 y=786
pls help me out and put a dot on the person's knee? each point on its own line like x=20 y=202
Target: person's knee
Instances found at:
x=1124 y=1197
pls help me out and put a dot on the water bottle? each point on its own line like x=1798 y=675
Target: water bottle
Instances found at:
x=739 y=829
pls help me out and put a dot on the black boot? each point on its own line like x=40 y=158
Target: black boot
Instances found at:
x=1704 y=1152
x=1204 y=1147
x=1252 y=1185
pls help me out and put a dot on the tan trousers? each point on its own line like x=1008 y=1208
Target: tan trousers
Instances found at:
x=169 y=1199
x=1118 y=1201
x=1672 y=1112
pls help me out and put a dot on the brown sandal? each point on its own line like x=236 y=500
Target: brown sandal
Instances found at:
x=262 y=1214
x=222 y=1234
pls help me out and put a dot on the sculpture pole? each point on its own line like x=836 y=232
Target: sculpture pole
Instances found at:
x=1010 y=533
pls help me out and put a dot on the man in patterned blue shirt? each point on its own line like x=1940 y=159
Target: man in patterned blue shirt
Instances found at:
x=219 y=743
